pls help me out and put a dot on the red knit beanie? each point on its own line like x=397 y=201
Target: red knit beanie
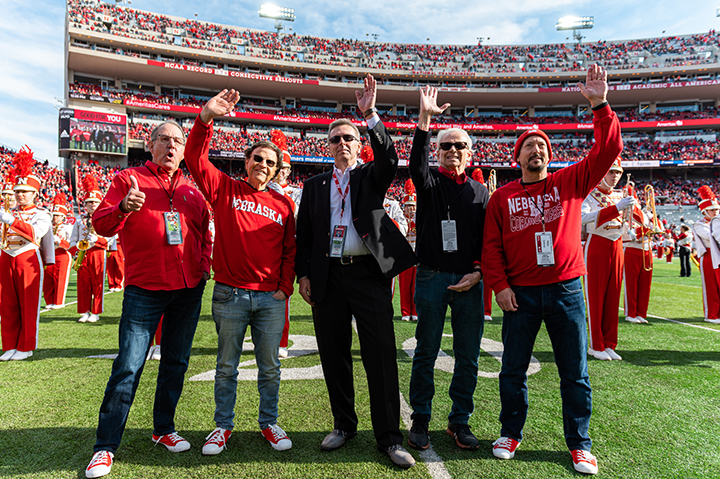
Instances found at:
x=524 y=136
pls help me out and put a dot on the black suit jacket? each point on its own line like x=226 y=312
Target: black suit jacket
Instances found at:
x=368 y=185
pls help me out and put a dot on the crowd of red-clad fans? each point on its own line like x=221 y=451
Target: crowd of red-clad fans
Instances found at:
x=688 y=150
x=625 y=115
x=648 y=53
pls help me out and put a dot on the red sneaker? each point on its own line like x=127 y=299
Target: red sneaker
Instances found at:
x=277 y=437
x=584 y=462
x=216 y=441
x=504 y=448
x=100 y=464
x=172 y=441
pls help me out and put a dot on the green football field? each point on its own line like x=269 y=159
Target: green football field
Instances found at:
x=656 y=413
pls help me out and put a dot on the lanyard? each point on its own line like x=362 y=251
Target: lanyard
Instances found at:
x=172 y=191
x=342 y=195
x=542 y=211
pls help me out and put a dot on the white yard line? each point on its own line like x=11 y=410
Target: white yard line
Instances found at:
x=45 y=310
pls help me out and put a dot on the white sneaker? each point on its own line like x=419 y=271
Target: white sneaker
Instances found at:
x=504 y=448
x=414 y=318
x=49 y=306
x=488 y=317
x=58 y=306
x=630 y=319
x=613 y=355
x=584 y=462
x=641 y=319
x=282 y=352
x=156 y=353
x=713 y=321
x=8 y=354
x=84 y=317
x=216 y=442
x=277 y=437
x=405 y=318
x=93 y=318
x=100 y=464
x=601 y=355
x=20 y=355
x=150 y=353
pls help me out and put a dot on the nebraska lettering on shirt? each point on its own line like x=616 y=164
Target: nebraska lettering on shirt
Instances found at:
x=258 y=209
x=524 y=213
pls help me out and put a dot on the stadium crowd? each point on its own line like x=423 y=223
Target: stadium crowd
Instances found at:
x=632 y=54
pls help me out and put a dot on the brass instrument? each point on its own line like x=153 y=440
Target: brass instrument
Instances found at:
x=628 y=190
x=82 y=246
x=5 y=228
x=492 y=182
x=654 y=229
x=695 y=261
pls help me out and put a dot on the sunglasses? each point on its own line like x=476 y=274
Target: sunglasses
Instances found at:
x=260 y=159
x=460 y=145
x=165 y=139
x=346 y=138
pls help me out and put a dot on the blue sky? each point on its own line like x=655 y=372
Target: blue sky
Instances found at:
x=32 y=59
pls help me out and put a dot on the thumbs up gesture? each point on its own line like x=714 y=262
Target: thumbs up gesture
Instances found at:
x=134 y=199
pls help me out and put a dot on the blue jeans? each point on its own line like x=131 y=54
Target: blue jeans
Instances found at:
x=562 y=307
x=142 y=310
x=233 y=310
x=432 y=299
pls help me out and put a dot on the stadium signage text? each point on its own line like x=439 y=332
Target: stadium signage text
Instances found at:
x=230 y=73
x=649 y=86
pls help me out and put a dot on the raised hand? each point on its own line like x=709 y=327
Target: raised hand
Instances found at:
x=595 y=87
x=219 y=105
x=134 y=199
x=428 y=101
x=366 y=99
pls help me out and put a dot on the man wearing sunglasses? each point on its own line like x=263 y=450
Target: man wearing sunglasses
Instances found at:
x=450 y=216
x=254 y=255
x=348 y=252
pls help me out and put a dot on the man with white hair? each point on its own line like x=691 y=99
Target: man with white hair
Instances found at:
x=450 y=218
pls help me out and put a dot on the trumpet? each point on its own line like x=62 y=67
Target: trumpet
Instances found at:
x=492 y=182
x=5 y=228
x=650 y=201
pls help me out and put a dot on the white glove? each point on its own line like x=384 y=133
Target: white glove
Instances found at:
x=633 y=236
x=627 y=202
x=92 y=239
x=56 y=239
x=7 y=218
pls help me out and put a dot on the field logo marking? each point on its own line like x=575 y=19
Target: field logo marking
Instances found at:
x=302 y=345
x=446 y=362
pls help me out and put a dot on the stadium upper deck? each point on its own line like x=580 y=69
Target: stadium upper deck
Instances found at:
x=143 y=63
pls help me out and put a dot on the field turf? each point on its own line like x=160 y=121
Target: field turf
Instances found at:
x=656 y=413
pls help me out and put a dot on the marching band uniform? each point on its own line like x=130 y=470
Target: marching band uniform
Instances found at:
x=57 y=276
x=604 y=260
x=115 y=265
x=91 y=274
x=21 y=269
x=669 y=246
x=638 y=266
x=708 y=255
x=407 y=277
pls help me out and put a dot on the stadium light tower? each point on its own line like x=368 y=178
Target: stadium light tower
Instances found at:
x=575 y=24
x=279 y=14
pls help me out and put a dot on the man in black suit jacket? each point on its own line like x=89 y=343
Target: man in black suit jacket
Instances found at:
x=349 y=250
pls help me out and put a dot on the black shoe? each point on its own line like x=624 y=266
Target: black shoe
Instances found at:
x=419 y=437
x=463 y=437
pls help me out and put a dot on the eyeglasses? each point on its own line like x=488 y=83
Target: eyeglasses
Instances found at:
x=165 y=139
x=260 y=159
x=459 y=145
x=346 y=138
